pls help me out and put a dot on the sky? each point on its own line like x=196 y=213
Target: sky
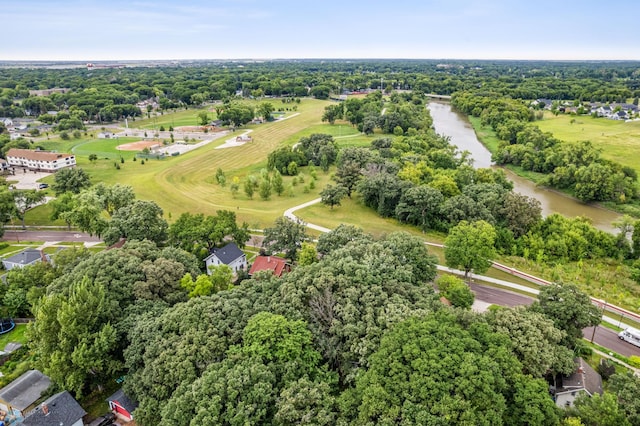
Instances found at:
x=89 y=30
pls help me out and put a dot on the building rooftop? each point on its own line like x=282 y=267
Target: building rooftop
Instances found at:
x=25 y=390
x=269 y=263
x=30 y=154
x=123 y=400
x=228 y=253
x=26 y=257
x=60 y=410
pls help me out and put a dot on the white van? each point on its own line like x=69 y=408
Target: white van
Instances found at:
x=630 y=335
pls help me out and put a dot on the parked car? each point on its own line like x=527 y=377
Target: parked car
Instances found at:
x=105 y=420
x=43 y=185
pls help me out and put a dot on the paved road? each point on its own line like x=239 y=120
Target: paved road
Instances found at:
x=604 y=337
x=496 y=296
x=49 y=236
x=609 y=339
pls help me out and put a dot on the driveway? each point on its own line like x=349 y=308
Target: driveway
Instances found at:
x=26 y=179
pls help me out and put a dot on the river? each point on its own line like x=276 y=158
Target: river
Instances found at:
x=448 y=122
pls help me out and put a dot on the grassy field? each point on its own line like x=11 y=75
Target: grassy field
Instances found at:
x=618 y=140
x=186 y=183
x=187 y=117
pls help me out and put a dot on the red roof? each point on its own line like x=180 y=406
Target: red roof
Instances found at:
x=275 y=264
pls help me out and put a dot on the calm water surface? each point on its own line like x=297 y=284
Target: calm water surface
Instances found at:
x=455 y=125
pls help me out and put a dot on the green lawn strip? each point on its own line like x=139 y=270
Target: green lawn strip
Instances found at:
x=15 y=248
x=15 y=335
x=186 y=117
x=608 y=351
x=41 y=216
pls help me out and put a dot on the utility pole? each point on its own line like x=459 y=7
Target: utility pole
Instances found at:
x=604 y=307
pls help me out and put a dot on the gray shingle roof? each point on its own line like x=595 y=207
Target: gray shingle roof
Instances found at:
x=584 y=377
x=60 y=410
x=25 y=257
x=25 y=390
x=228 y=253
x=125 y=402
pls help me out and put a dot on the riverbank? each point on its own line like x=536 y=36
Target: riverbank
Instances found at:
x=487 y=136
x=466 y=134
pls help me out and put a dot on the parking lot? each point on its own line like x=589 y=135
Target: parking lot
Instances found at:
x=25 y=179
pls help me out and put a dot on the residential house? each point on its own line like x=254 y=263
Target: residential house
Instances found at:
x=61 y=409
x=3 y=164
x=19 y=396
x=583 y=380
x=8 y=122
x=121 y=405
x=275 y=264
x=24 y=258
x=40 y=160
x=229 y=255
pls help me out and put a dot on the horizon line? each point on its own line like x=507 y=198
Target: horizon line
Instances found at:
x=87 y=61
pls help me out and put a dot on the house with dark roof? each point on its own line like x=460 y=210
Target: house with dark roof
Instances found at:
x=229 y=255
x=583 y=380
x=61 y=410
x=24 y=258
x=275 y=264
x=121 y=405
x=18 y=396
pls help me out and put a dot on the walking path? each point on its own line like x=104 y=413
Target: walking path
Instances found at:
x=289 y=213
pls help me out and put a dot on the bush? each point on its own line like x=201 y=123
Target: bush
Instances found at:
x=634 y=361
x=606 y=368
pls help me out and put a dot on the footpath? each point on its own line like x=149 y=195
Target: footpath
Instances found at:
x=537 y=281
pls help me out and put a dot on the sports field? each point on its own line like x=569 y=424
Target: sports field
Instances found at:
x=619 y=141
x=186 y=183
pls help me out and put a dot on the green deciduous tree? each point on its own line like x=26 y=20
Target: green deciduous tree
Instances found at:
x=535 y=339
x=626 y=387
x=70 y=179
x=600 y=410
x=286 y=235
x=137 y=221
x=433 y=368
x=264 y=110
x=470 y=246
x=332 y=195
x=74 y=338
x=569 y=308
x=24 y=200
x=340 y=237
x=456 y=291
x=307 y=255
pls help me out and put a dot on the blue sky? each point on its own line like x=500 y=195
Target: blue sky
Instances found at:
x=232 y=29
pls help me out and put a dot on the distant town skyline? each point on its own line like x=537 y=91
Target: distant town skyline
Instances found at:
x=80 y=30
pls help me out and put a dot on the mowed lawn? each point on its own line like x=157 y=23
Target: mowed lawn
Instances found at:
x=618 y=140
x=186 y=183
x=187 y=117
